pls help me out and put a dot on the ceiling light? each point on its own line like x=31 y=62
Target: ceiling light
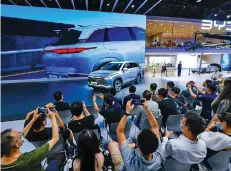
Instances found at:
x=182 y=25
x=199 y=0
x=133 y=6
x=108 y=5
x=228 y=16
x=215 y=15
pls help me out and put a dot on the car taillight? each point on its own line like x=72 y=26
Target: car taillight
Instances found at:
x=68 y=50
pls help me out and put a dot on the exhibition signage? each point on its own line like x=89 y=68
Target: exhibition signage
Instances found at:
x=210 y=24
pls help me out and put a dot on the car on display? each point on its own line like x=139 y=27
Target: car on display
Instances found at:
x=207 y=69
x=115 y=74
x=79 y=51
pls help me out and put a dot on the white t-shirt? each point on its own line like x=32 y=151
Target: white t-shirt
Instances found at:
x=216 y=141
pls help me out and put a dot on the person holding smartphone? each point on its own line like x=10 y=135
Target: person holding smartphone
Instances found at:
x=11 y=140
x=39 y=131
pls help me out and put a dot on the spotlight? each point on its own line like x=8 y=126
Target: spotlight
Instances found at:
x=228 y=16
x=199 y=0
x=133 y=6
x=108 y=5
x=215 y=15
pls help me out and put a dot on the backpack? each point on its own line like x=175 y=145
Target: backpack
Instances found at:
x=181 y=107
x=108 y=164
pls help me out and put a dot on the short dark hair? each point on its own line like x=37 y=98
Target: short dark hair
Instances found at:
x=38 y=123
x=163 y=92
x=211 y=87
x=108 y=99
x=76 y=108
x=147 y=141
x=208 y=81
x=6 y=142
x=147 y=95
x=225 y=117
x=113 y=91
x=175 y=90
x=58 y=95
x=195 y=123
x=170 y=84
x=132 y=89
x=153 y=86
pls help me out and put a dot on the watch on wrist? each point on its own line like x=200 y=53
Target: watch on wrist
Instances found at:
x=126 y=114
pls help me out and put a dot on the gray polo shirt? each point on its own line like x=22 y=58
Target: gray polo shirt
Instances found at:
x=133 y=160
x=184 y=150
x=142 y=115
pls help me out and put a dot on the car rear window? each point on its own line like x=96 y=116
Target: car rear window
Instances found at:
x=119 y=34
x=139 y=33
x=97 y=36
x=67 y=37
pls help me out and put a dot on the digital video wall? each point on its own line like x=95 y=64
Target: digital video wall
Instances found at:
x=55 y=43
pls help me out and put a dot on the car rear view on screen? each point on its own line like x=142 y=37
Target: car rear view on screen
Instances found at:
x=79 y=51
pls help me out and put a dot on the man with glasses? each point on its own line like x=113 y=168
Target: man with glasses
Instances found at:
x=187 y=148
x=11 y=141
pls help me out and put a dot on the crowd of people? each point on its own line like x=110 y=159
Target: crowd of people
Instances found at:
x=201 y=136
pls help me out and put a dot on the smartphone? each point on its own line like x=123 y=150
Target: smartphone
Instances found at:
x=137 y=102
x=42 y=110
x=53 y=109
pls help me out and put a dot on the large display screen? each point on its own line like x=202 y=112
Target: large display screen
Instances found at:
x=55 y=43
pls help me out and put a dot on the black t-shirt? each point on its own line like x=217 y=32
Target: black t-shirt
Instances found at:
x=78 y=125
x=167 y=107
x=62 y=106
x=43 y=135
x=112 y=114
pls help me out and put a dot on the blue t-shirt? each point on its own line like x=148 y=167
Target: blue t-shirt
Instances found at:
x=206 y=100
x=133 y=160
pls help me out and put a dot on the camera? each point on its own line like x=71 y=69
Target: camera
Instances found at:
x=137 y=102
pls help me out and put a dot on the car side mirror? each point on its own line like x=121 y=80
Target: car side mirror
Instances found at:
x=125 y=69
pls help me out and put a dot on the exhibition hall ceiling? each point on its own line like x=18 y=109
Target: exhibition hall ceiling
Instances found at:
x=196 y=9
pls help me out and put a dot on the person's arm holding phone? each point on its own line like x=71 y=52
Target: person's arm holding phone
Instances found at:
x=87 y=113
x=59 y=120
x=120 y=129
x=55 y=131
x=152 y=120
x=95 y=104
x=29 y=114
x=27 y=128
x=191 y=92
x=199 y=89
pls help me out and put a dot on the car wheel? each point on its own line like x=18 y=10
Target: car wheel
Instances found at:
x=138 y=79
x=203 y=71
x=193 y=71
x=118 y=84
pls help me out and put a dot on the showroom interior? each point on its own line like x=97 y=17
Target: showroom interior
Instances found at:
x=65 y=45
